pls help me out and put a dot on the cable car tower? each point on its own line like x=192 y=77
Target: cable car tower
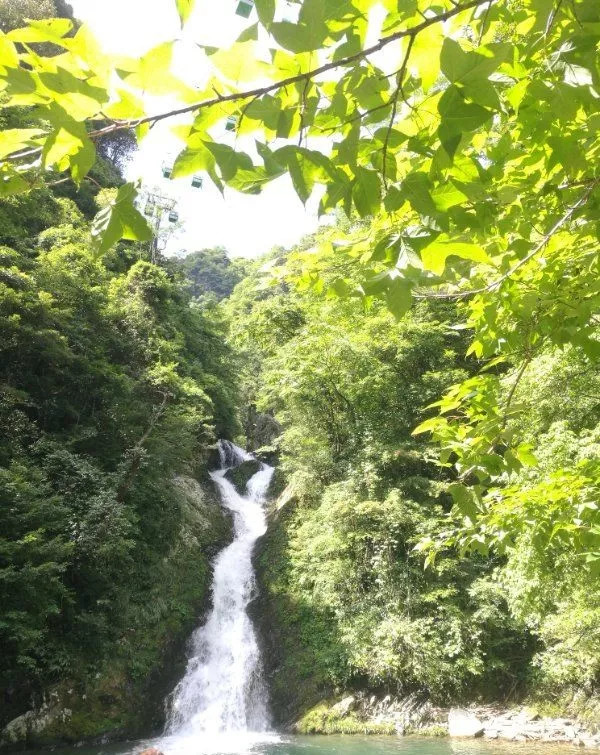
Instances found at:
x=155 y=207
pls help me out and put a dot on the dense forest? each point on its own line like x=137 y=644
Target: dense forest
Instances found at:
x=423 y=370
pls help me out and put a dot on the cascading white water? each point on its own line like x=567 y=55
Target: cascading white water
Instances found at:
x=222 y=692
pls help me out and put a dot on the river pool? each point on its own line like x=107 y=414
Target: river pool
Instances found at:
x=320 y=745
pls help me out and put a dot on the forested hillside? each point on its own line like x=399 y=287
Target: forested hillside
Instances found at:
x=112 y=383
x=349 y=601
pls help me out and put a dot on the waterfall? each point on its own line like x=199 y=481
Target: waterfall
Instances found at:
x=222 y=691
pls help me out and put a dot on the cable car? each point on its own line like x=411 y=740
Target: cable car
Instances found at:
x=149 y=208
x=197 y=181
x=173 y=216
x=167 y=170
x=244 y=8
x=230 y=123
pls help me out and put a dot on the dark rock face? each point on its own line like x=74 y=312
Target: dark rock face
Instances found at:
x=260 y=428
x=240 y=475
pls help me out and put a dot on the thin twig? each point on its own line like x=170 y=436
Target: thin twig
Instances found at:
x=511 y=393
x=399 y=91
x=536 y=250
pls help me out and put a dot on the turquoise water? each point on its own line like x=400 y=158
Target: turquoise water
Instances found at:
x=331 y=745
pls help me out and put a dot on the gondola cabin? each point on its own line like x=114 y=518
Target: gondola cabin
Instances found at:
x=173 y=216
x=230 y=123
x=197 y=182
x=244 y=8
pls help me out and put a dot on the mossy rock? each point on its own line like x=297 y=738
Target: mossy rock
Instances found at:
x=240 y=475
x=324 y=719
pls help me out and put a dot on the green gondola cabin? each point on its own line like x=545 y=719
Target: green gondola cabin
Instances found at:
x=244 y=8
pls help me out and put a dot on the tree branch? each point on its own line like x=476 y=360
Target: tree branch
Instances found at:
x=260 y=91
x=536 y=250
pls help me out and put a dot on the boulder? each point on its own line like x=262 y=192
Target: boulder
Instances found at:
x=240 y=474
x=344 y=706
x=463 y=723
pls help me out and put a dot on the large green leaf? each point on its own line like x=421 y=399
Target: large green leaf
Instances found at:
x=366 y=192
x=119 y=220
x=68 y=147
x=399 y=296
x=266 y=11
x=458 y=115
x=459 y=66
x=17 y=139
x=434 y=255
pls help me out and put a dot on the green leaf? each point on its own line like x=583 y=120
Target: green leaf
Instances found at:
x=119 y=220
x=302 y=174
x=460 y=66
x=184 y=9
x=69 y=147
x=45 y=30
x=80 y=99
x=228 y=160
x=434 y=255
x=8 y=52
x=366 y=192
x=428 y=426
x=127 y=107
x=293 y=37
x=17 y=139
x=464 y=499
x=240 y=62
x=458 y=115
x=446 y=196
x=266 y=11
x=399 y=296
x=423 y=56
x=193 y=160
x=11 y=182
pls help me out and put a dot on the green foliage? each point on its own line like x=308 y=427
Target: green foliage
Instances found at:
x=350 y=601
x=111 y=383
x=469 y=153
x=488 y=107
x=323 y=720
x=211 y=271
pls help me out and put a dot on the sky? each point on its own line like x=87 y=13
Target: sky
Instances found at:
x=245 y=225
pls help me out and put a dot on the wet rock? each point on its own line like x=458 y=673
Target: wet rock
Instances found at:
x=344 y=706
x=463 y=723
x=240 y=474
x=151 y=751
